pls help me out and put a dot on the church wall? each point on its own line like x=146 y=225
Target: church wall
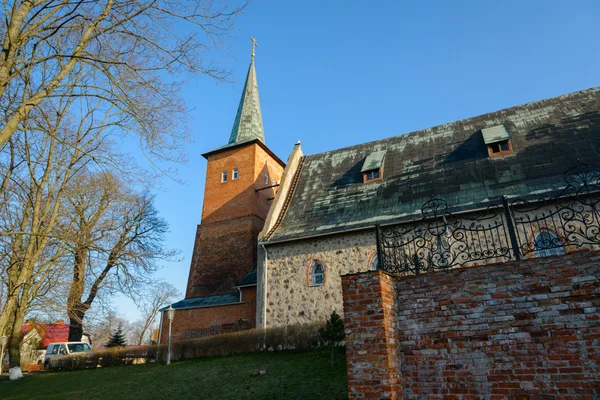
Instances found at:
x=206 y=321
x=290 y=299
x=224 y=252
x=234 y=198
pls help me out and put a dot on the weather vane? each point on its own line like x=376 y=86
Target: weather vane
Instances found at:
x=254 y=44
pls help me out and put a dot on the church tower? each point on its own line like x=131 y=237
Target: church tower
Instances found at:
x=241 y=179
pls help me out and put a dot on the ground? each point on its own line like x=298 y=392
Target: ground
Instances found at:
x=288 y=376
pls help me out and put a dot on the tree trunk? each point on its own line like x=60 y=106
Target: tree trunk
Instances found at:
x=76 y=325
x=14 y=347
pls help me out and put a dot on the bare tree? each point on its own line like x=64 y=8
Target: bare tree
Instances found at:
x=44 y=155
x=117 y=238
x=126 y=45
x=157 y=295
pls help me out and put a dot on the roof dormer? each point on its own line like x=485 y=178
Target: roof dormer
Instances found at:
x=372 y=169
x=497 y=140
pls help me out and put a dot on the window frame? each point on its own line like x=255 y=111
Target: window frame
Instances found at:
x=374 y=262
x=235 y=174
x=369 y=176
x=499 y=144
x=311 y=274
x=547 y=252
x=223 y=176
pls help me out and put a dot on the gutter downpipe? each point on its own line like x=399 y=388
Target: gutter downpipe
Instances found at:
x=263 y=321
x=159 y=334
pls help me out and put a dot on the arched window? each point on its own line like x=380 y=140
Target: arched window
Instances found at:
x=547 y=243
x=317 y=274
x=374 y=262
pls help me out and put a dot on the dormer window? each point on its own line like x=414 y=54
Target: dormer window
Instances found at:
x=497 y=140
x=224 y=177
x=373 y=166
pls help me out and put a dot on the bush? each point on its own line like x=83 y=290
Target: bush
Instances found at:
x=300 y=338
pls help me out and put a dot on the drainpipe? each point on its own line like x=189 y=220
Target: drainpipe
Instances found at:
x=264 y=296
x=160 y=326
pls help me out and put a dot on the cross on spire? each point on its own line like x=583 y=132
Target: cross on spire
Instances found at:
x=254 y=44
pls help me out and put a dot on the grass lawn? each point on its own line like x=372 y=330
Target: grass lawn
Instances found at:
x=289 y=376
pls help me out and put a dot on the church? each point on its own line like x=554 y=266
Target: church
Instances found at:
x=276 y=237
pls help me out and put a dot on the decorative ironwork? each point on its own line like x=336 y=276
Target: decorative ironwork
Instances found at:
x=571 y=218
x=544 y=227
x=442 y=240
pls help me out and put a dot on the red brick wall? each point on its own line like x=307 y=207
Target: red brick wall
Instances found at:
x=224 y=252
x=372 y=353
x=198 y=322
x=518 y=330
x=233 y=215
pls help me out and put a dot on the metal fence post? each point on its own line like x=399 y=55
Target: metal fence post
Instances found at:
x=378 y=244
x=511 y=229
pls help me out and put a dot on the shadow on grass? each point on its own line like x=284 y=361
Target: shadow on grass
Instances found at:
x=288 y=376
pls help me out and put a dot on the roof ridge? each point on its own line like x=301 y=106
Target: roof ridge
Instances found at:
x=480 y=116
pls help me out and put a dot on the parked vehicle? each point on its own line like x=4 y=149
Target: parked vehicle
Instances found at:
x=63 y=349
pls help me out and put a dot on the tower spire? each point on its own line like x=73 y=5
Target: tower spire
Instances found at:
x=248 y=123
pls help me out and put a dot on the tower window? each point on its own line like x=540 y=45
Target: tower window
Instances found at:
x=224 y=177
x=266 y=178
x=235 y=174
x=317 y=274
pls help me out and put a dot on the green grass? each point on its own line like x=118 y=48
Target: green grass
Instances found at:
x=289 y=376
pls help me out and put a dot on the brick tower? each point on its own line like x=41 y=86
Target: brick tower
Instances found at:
x=241 y=179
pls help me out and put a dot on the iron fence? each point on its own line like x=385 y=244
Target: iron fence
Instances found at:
x=503 y=231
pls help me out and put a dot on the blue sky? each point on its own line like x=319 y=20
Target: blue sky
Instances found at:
x=336 y=73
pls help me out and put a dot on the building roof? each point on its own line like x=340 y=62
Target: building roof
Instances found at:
x=50 y=333
x=248 y=280
x=449 y=161
x=495 y=134
x=206 y=301
x=248 y=122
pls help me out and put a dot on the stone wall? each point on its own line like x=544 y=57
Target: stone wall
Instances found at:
x=517 y=330
x=290 y=299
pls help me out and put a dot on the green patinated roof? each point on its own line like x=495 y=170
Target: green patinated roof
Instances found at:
x=495 y=134
x=206 y=301
x=373 y=161
x=248 y=279
x=449 y=161
x=248 y=122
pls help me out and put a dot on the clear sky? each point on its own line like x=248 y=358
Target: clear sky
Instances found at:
x=336 y=73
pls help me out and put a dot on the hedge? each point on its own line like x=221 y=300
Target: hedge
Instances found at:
x=300 y=338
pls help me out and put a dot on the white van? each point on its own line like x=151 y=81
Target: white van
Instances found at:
x=63 y=349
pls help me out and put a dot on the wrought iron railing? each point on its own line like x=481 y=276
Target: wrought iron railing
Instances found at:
x=502 y=231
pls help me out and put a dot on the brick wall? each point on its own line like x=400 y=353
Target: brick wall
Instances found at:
x=198 y=322
x=517 y=330
x=372 y=351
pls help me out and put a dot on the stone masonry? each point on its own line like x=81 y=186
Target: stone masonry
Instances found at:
x=290 y=298
x=525 y=329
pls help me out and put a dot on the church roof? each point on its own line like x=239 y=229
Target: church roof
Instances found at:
x=206 y=301
x=450 y=161
x=248 y=280
x=248 y=122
